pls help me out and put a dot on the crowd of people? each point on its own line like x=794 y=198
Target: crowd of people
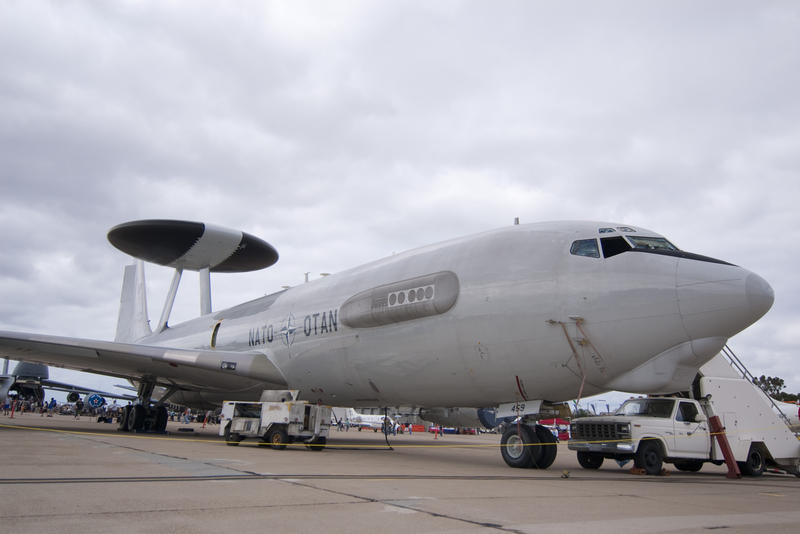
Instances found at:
x=52 y=407
x=105 y=413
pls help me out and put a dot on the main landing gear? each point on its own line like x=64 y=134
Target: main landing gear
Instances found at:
x=141 y=417
x=528 y=446
x=138 y=418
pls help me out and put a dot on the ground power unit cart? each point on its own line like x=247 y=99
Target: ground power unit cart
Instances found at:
x=277 y=424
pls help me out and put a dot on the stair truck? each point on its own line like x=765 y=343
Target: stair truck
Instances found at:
x=677 y=430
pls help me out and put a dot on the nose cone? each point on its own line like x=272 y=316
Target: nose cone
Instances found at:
x=759 y=294
x=719 y=300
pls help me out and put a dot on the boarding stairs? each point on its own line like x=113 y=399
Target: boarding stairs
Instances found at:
x=740 y=368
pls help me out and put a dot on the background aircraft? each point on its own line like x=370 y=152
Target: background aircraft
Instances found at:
x=360 y=420
x=29 y=380
x=521 y=319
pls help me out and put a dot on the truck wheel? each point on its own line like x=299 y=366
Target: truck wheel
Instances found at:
x=692 y=466
x=590 y=460
x=754 y=465
x=318 y=444
x=276 y=437
x=649 y=457
x=516 y=446
x=545 y=454
x=231 y=439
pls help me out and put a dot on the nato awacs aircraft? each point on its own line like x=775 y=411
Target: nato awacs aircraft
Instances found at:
x=520 y=319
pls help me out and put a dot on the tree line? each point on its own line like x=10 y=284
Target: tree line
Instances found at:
x=774 y=387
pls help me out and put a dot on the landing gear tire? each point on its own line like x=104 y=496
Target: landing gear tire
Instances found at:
x=649 y=457
x=123 y=418
x=318 y=444
x=754 y=466
x=276 y=437
x=515 y=446
x=691 y=466
x=590 y=460
x=136 y=418
x=161 y=418
x=545 y=454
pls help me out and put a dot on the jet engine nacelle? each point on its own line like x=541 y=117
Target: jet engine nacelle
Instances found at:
x=460 y=417
x=92 y=400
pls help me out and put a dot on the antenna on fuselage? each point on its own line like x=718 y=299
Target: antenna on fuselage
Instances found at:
x=193 y=246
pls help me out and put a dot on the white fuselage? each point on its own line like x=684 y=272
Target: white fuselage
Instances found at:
x=529 y=319
x=368 y=420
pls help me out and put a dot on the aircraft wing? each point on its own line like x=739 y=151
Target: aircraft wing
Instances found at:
x=70 y=388
x=187 y=369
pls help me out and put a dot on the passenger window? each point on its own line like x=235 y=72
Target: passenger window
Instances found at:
x=687 y=411
x=614 y=245
x=585 y=247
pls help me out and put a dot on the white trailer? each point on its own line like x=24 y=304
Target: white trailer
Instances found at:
x=276 y=423
x=677 y=430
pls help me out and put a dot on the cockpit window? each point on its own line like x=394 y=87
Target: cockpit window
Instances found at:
x=585 y=247
x=651 y=243
x=614 y=245
x=605 y=230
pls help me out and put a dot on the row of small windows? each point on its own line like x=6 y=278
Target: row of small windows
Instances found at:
x=401 y=297
x=617 y=245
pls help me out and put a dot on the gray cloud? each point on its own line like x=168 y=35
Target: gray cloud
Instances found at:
x=345 y=132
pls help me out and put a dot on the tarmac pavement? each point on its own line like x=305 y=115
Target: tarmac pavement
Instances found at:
x=62 y=475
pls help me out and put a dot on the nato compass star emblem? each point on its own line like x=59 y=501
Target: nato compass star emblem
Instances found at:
x=288 y=330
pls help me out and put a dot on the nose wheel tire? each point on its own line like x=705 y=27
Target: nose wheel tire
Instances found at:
x=545 y=453
x=516 y=445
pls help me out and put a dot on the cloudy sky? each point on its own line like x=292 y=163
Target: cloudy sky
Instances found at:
x=342 y=132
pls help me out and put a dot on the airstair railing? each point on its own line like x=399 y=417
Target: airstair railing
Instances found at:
x=737 y=364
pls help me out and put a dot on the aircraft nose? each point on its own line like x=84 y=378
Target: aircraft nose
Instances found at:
x=718 y=299
x=759 y=294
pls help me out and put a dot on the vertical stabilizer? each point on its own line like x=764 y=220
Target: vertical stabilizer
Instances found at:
x=133 y=323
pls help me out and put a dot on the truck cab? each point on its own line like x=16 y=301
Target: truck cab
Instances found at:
x=647 y=430
x=677 y=429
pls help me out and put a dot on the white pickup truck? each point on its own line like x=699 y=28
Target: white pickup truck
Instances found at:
x=676 y=430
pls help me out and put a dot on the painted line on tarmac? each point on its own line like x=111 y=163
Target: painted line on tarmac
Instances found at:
x=255 y=443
